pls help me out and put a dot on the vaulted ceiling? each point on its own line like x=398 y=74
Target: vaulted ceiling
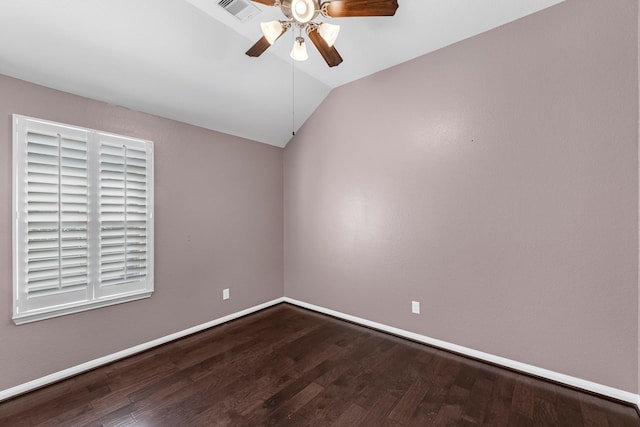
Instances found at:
x=184 y=59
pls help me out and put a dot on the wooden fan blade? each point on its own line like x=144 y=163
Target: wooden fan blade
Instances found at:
x=329 y=53
x=262 y=45
x=258 y=48
x=346 y=8
x=265 y=2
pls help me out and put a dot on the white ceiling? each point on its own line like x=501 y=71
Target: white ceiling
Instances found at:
x=184 y=59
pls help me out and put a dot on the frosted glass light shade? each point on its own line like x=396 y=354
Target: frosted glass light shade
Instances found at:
x=299 y=51
x=271 y=30
x=329 y=32
x=302 y=10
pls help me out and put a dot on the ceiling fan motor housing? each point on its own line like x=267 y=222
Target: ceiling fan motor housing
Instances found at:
x=302 y=11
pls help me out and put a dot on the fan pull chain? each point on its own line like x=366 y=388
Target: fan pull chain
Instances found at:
x=293 y=97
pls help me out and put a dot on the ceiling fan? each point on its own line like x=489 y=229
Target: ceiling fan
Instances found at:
x=300 y=13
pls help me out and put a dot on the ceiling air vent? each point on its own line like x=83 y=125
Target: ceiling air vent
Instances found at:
x=241 y=9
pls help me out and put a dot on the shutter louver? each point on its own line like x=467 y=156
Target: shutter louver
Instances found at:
x=123 y=212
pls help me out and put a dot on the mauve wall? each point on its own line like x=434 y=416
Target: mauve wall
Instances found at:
x=218 y=205
x=496 y=182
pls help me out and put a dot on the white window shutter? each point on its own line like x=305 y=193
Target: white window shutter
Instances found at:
x=83 y=231
x=53 y=220
x=125 y=232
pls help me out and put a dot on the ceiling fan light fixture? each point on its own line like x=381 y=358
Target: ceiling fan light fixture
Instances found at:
x=271 y=30
x=303 y=11
x=299 y=51
x=329 y=32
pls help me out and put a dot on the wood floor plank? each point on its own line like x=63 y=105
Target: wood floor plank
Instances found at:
x=287 y=366
x=475 y=409
x=516 y=419
x=544 y=412
x=283 y=413
x=594 y=417
x=351 y=417
x=408 y=403
x=327 y=406
x=448 y=415
x=379 y=411
x=370 y=396
x=498 y=411
x=125 y=421
x=522 y=402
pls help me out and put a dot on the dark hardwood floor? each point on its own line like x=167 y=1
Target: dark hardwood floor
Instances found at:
x=288 y=366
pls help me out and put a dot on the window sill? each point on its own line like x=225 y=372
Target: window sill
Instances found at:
x=35 y=316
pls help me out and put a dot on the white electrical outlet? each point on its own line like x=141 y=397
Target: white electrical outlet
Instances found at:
x=225 y=293
x=415 y=307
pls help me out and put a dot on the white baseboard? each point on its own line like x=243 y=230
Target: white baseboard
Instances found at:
x=600 y=389
x=75 y=370
x=497 y=360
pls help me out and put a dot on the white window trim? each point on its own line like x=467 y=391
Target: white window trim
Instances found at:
x=97 y=297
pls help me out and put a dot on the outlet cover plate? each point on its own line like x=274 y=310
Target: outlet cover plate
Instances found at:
x=415 y=307
x=225 y=293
